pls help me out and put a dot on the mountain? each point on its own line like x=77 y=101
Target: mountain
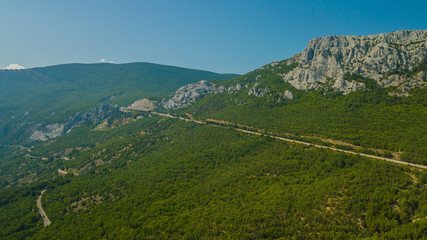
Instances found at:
x=14 y=66
x=330 y=96
x=265 y=155
x=55 y=93
x=345 y=64
x=381 y=57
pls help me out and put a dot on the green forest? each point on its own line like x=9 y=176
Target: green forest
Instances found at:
x=169 y=179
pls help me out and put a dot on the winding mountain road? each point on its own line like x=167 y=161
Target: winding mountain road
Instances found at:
x=46 y=220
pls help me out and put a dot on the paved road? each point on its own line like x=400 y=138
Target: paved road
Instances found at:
x=296 y=141
x=337 y=149
x=46 y=220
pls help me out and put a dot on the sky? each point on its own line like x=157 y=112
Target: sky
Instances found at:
x=225 y=36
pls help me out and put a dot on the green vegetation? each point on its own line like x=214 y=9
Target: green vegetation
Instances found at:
x=369 y=119
x=369 y=83
x=20 y=166
x=183 y=180
x=422 y=66
x=269 y=74
x=18 y=213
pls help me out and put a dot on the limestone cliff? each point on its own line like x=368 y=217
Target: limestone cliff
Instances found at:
x=188 y=94
x=327 y=60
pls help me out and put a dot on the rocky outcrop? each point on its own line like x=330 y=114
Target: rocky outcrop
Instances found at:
x=94 y=115
x=372 y=56
x=258 y=92
x=346 y=87
x=234 y=89
x=220 y=89
x=143 y=105
x=288 y=95
x=405 y=84
x=44 y=131
x=192 y=92
x=230 y=90
x=188 y=94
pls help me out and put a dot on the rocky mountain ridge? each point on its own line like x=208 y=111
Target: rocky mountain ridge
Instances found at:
x=327 y=60
x=336 y=63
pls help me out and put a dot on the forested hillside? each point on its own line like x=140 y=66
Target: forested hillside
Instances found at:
x=370 y=119
x=171 y=179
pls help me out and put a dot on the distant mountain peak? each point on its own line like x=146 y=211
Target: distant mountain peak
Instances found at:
x=14 y=66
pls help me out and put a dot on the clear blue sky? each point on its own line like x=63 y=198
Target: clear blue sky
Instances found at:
x=217 y=35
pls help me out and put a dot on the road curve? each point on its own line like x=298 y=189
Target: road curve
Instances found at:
x=46 y=220
x=295 y=141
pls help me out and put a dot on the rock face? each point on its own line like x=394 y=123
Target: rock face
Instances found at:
x=327 y=60
x=143 y=105
x=288 y=95
x=220 y=89
x=258 y=92
x=192 y=92
x=234 y=89
x=188 y=94
x=43 y=131
x=95 y=115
